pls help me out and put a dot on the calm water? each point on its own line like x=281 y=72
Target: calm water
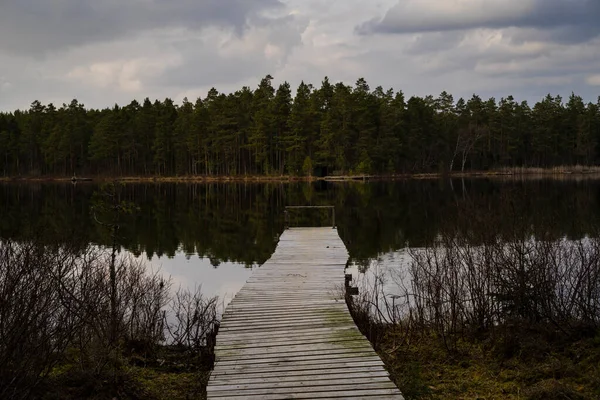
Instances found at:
x=213 y=235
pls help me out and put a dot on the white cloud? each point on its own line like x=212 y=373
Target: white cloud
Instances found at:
x=593 y=80
x=4 y=84
x=123 y=75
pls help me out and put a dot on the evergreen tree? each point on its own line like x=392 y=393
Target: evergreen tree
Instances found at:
x=163 y=138
x=261 y=134
x=301 y=126
x=335 y=128
x=282 y=105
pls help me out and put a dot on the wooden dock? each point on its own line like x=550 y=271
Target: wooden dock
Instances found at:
x=288 y=333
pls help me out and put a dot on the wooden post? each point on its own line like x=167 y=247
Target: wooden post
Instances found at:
x=348 y=279
x=352 y=291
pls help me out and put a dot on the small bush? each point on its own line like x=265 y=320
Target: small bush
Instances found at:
x=62 y=306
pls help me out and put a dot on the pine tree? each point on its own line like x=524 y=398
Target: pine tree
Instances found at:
x=261 y=134
x=282 y=105
x=300 y=126
x=338 y=128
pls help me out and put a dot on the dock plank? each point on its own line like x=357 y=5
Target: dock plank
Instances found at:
x=288 y=333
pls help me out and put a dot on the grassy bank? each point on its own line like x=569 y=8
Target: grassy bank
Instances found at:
x=531 y=367
x=517 y=363
x=167 y=374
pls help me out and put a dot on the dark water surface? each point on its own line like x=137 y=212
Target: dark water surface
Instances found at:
x=213 y=234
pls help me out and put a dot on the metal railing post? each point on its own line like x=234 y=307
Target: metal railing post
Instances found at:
x=287 y=215
x=333 y=216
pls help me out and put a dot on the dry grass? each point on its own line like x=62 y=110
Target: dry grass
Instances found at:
x=422 y=369
x=202 y=179
x=554 y=172
x=558 y=170
x=167 y=179
x=167 y=385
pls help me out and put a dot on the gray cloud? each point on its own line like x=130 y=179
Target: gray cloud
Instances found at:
x=108 y=51
x=570 y=20
x=42 y=26
x=237 y=61
x=434 y=42
x=167 y=62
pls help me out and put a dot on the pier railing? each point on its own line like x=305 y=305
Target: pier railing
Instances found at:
x=288 y=208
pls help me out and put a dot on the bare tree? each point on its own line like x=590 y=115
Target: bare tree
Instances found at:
x=465 y=141
x=193 y=320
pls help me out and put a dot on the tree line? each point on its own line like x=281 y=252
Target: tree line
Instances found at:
x=331 y=129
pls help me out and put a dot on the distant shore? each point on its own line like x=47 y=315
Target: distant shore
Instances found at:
x=559 y=172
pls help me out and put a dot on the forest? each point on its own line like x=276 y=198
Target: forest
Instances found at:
x=327 y=130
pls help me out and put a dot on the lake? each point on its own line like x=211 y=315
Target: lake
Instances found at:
x=215 y=234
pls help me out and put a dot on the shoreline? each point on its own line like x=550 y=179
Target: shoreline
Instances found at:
x=563 y=172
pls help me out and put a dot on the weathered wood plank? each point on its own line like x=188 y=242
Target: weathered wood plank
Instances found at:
x=323 y=350
x=273 y=307
x=302 y=347
x=248 y=390
x=284 y=333
x=345 y=342
x=355 y=394
x=293 y=357
x=278 y=359
x=287 y=322
x=251 y=312
x=296 y=377
x=291 y=375
x=364 y=360
x=288 y=333
x=301 y=335
x=303 y=383
x=274 y=327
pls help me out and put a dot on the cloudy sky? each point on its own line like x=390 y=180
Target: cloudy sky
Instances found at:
x=107 y=51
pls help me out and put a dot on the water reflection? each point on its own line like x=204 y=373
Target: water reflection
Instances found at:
x=241 y=223
x=187 y=272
